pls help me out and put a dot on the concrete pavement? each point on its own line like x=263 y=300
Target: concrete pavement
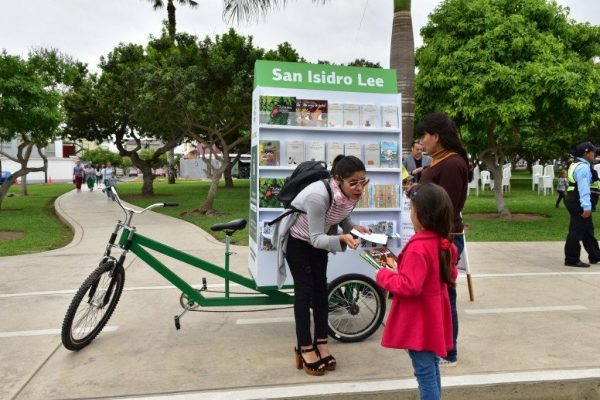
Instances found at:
x=533 y=331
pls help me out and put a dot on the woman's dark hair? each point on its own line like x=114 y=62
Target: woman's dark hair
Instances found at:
x=435 y=213
x=344 y=166
x=443 y=125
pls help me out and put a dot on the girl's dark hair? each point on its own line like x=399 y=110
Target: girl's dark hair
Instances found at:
x=435 y=213
x=446 y=129
x=344 y=166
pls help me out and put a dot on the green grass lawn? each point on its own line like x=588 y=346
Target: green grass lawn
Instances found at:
x=34 y=216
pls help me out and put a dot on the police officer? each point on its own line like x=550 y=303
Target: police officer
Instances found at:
x=579 y=201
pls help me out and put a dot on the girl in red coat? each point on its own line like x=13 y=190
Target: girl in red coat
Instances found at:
x=420 y=320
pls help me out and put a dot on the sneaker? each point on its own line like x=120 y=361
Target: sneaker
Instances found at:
x=447 y=363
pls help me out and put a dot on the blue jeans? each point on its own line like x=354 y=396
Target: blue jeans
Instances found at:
x=459 y=242
x=427 y=372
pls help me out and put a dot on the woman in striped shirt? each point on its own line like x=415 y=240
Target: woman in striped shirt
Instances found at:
x=311 y=238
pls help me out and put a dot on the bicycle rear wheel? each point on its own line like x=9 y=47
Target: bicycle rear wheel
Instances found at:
x=356 y=308
x=92 y=305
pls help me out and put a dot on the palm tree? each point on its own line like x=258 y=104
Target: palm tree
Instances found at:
x=402 y=50
x=172 y=24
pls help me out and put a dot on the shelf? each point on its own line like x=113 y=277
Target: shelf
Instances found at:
x=327 y=129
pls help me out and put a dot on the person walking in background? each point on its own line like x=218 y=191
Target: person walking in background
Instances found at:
x=99 y=175
x=110 y=182
x=579 y=203
x=420 y=318
x=416 y=162
x=305 y=240
x=561 y=187
x=78 y=175
x=107 y=173
x=90 y=176
x=449 y=169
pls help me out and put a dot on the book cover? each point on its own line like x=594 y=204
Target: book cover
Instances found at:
x=277 y=110
x=378 y=196
x=353 y=149
x=268 y=152
x=382 y=256
x=368 y=116
x=266 y=236
x=389 y=116
x=335 y=115
x=295 y=152
x=268 y=189
x=389 y=154
x=311 y=112
x=372 y=155
x=315 y=151
x=351 y=116
x=333 y=149
x=363 y=202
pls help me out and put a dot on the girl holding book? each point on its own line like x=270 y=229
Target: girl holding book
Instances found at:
x=420 y=319
x=311 y=236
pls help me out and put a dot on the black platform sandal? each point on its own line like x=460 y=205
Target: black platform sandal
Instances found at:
x=316 y=368
x=328 y=361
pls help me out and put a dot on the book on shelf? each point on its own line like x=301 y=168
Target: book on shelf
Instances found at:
x=389 y=116
x=378 y=196
x=392 y=196
x=387 y=227
x=380 y=257
x=365 y=199
x=353 y=149
x=277 y=110
x=269 y=153
x=315 y=151
x=268 y=189
x=332 y=150
x=351 y=116
x=372 y=155
x=295 y=152
x=368 y=116
x=311 y=112
x=389 y=154
x=266 y=237
x=335 y=115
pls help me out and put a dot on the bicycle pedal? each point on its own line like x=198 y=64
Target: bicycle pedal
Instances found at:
x=204 y=285
x=177 y=323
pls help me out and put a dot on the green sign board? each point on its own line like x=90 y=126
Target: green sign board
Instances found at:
x=324 y=77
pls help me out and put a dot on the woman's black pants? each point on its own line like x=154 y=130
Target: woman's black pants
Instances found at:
x=308 y=266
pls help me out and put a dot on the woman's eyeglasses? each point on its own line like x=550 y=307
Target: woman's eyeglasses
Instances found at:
x=354 y=183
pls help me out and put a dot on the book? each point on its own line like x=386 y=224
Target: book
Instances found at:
x=382 y=256
x=372 y=155
x=389 y=116
x=268 y=189
x=364 y=201
x=333 y=149
x=335 y=115
x=351 y=115
x=268 y=151
x=276 y=110
x=311 y=112
x=368 y=116
x=353 y=149
x=315 y=151
x=294 y=152
x=389 y=154
x=266 y=237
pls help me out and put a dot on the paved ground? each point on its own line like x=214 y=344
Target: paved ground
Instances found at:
x=534 y=326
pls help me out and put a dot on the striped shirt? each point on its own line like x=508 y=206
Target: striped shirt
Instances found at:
x=340 y=208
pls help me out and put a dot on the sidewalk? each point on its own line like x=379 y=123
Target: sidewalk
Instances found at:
x=533 y=331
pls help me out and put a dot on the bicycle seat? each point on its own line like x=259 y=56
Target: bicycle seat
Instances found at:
x=233 y=226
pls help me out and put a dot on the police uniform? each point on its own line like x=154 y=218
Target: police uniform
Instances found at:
x=581 y=196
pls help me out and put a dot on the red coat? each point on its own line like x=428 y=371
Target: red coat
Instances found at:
x=420 y=317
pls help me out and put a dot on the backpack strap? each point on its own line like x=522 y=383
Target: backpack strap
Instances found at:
x=329 y=192
x=292 y=209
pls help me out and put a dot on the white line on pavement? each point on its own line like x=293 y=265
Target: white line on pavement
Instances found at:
x=45 y=332
x=523 y=309
x=517 y=274
x=252 y=321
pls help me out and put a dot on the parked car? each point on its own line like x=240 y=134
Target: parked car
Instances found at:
x=4 y=176
x=159 y=172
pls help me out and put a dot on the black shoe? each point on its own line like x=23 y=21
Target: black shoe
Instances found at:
x=594 y=261
x=579 y=264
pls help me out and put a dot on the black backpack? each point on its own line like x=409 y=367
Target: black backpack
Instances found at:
x=305 y=173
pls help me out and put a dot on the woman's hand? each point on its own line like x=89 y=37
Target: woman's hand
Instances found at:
x=349 y=240
x=362 y=229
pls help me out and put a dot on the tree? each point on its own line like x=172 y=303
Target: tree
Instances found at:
x=513 y=75
x=100 y=156
x=30 y=100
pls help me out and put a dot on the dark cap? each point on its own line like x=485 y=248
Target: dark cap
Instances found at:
x=581 y=148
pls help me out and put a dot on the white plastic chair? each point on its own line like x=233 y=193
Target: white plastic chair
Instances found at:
x=474 y=184
x=549 y=170
x=506 y=179
x=548 y=184
x=486 y=180
x=536 y=171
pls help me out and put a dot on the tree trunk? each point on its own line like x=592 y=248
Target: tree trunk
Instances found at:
x=496 y=169
x=227 y=176
x=171 y=166
x=402 y=59
x=171 y=16
x=208 y=206
x=4 y=190
x=148 y=179
x=24 y=184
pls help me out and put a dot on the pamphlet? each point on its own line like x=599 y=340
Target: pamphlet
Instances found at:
x=380 y=238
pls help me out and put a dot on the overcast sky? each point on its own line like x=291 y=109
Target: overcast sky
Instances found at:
x=339 y=31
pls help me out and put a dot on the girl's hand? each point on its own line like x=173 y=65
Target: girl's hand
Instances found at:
x=362 y=229
x=349 y=240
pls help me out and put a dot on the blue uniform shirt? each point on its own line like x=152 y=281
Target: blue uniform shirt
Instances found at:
x=583 y=176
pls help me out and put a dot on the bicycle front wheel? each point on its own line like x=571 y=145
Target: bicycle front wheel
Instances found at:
x=356 y=308
x=92 y=305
